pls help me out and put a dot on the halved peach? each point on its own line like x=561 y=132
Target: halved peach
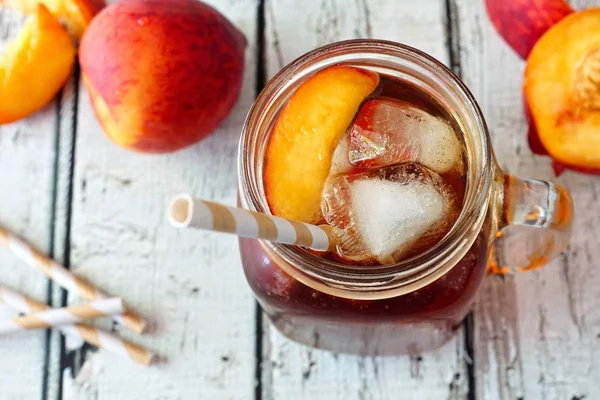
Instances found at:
x=522 y=22
x=305 y=136
x=35 y=66
x=562 y=91
x=75 y=14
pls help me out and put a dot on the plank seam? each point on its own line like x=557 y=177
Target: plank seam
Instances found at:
x=51 y=242
x=66 y=360
x=260 y=80
x=453 y=37
x=453 y=43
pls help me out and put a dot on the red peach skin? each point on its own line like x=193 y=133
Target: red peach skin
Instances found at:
x=161 y=74
x=522 y=22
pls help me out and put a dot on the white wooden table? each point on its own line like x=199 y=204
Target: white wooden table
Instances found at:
x=100 y=210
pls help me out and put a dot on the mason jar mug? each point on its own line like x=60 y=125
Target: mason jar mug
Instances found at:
x=415 y=305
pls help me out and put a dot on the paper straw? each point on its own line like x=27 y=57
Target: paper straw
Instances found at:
x=65 y=278
x=63 y=316
x=93 y=336
x=185 y=211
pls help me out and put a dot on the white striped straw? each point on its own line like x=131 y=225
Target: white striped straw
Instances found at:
x=94 y=336
x=65 y=278
x=63 y=316
x=185 y=211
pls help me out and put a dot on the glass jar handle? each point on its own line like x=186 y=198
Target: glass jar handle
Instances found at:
x=534 y=223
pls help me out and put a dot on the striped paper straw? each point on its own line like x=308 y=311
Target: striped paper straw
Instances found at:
x=63 y=316
x=185 y=211
x=93 y=336
x=65 y=278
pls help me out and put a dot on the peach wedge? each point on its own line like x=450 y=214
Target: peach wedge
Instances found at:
x=562 y=90
x=75 y=14
x=35 y=66
x=305 y=136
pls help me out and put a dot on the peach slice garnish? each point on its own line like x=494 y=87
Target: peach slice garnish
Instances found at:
x=305 y=136
x=562 y=90
x=75 y=14
x=35 y=66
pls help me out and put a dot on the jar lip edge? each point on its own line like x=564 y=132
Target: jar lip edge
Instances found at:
x=324 y=268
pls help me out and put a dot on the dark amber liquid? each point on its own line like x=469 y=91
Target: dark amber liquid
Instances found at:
x=419 y=321
x=408 y=324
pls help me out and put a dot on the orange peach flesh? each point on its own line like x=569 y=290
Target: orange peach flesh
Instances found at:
x=305 y=136
x=35 y=66
x=562 y=89
x=75 y=14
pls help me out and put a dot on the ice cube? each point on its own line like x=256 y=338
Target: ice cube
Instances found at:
x=390 y=213
x=387 y=132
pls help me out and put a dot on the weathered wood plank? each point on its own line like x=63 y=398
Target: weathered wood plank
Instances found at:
x=26 y=182
x=190 y=285
x=294 y=371
x=536 y=334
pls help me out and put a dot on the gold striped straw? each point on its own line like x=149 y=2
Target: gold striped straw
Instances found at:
x=63 y=316
x=65 y=278
x=93 y=336
x=185 y=211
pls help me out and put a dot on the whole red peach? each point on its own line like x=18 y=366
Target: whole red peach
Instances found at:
x=161 y=74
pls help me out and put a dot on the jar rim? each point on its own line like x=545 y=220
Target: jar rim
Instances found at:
x=361 y=278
